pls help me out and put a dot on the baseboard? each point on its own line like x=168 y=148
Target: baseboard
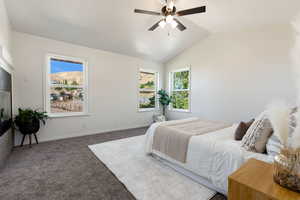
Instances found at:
x=83 y=134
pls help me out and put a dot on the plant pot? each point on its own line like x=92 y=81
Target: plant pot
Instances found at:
x=287 y=169
x=29 y=128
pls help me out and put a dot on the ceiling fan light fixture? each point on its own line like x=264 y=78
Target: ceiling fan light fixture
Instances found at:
x=174 y=24
x=162 y=24
x=169 y=19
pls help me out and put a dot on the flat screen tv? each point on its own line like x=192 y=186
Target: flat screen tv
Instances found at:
x=5 y=101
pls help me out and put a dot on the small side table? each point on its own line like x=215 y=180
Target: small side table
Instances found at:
x=254 y=181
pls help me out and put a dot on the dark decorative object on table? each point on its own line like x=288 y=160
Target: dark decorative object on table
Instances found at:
x=28 y=123
x=164 y=100
x=5 y=124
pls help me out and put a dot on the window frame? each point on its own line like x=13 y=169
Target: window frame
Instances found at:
x=155 y=90
x=171 y=89
x=47 y=86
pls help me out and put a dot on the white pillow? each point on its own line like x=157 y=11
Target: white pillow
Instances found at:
x=258 y=135
x=273 y=146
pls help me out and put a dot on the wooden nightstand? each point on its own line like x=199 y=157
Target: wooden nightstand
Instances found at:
x=254 y=181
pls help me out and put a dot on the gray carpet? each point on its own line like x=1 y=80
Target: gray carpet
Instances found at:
x=64 y=170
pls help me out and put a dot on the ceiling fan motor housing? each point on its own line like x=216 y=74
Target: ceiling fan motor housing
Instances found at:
x=165 y=11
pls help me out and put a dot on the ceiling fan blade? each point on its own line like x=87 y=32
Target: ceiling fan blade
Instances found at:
x=146 y=12
x=155 y=26
x=180 y=26
x=191 y=11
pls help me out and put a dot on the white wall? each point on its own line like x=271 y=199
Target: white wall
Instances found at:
x=112 y=86
x=235 y=75
x=5 y=33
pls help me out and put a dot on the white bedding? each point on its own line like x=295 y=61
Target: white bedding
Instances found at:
x=213 y=156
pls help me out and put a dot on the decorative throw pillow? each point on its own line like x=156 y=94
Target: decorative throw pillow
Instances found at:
x=258 y=134
x=273 y=146
x=294 y=110
x=242 y=129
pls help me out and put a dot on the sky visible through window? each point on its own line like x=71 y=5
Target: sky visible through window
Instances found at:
x=64 y=66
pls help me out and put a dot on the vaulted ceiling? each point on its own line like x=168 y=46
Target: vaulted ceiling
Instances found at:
x=113 y=26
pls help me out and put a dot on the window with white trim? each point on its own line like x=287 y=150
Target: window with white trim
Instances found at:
x=147 y=86
x=180 y=89
x=66 y=86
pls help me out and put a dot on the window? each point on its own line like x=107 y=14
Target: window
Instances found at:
x=148 y=81
x=180 y=90
x=66 y=86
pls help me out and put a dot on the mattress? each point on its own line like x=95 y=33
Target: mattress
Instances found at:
x=212 y=156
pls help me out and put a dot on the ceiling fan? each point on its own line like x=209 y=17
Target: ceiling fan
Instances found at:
x=169 y=12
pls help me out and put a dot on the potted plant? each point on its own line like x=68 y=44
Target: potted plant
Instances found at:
x=28 y=122
x=164 y=100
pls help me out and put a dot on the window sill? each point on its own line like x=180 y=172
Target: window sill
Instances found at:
x=146 y=110
x=69 y=115
x=180 y=110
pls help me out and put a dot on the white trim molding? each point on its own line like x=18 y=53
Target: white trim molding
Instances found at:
x=4 y=63
x=155 y=90
x=47 y=83
x=171 y=90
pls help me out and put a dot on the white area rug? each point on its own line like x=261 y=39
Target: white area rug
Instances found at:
x=145 y=177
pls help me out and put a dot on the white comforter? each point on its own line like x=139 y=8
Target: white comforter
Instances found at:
x=213 y=156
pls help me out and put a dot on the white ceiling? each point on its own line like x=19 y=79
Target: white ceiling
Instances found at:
x=111 y=24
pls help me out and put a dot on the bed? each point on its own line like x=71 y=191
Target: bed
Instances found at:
x=210 y=157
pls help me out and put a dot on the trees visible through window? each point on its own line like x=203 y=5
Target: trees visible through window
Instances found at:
x=66 y=86
x=180 y=90
x=147 y=90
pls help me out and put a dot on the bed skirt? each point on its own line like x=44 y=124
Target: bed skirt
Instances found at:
x=188 y=173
